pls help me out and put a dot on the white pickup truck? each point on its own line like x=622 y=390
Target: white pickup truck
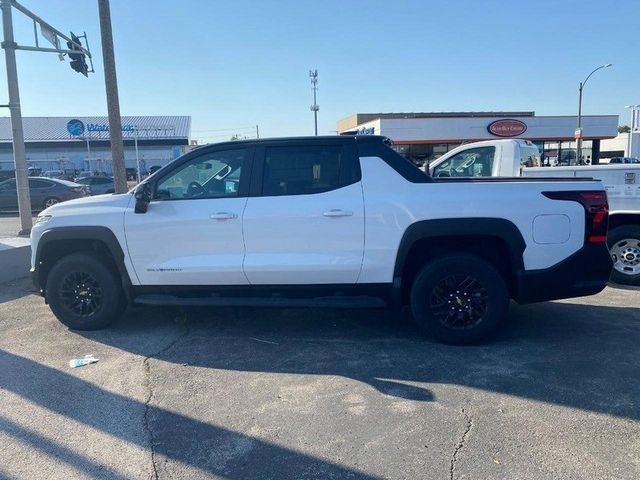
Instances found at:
x=323 y=222
x=509 y=158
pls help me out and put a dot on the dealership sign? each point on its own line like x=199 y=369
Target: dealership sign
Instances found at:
x=507 y=128
x=76 y=128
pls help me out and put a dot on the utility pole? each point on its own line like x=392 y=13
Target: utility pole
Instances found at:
x=313 y=74
x=19 y=155
x=113 y=104
x=257 y=132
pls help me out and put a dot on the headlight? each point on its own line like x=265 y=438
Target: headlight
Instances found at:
x=43 y=219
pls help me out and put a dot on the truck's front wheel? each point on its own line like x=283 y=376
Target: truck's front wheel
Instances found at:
x=84 y=293
x=624 y=245
x=460 y=299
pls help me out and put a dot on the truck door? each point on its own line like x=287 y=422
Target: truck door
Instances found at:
x=191 y=233
x=304 y=223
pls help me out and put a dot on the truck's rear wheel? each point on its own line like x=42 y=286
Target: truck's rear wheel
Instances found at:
x=84 y=293
x=624 y=245
x=460 y=299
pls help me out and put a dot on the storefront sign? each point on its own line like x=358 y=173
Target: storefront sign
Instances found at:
x=101 y=127
x=367 y=131
x=76 y=128
x=507 y=128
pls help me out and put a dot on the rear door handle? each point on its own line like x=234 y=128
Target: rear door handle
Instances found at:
x=223 y=216
x=336 y=212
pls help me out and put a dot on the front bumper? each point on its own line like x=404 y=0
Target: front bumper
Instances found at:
x=586 y=272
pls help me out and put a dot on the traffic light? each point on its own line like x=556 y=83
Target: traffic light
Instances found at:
x=78 y=62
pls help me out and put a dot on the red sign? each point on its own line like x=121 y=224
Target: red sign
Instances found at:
x=507 y=128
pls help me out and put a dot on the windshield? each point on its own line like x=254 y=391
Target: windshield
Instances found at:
x=474 y=162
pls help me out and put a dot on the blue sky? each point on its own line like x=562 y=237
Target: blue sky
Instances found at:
x=240 y=63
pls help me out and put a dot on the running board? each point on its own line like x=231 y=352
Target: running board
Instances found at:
x=328 y=302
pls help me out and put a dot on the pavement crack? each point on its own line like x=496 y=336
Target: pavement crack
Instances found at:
x=150 y=394
x=460 y=445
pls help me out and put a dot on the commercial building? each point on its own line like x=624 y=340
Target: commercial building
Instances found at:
x=82 y=143
x=422 y=137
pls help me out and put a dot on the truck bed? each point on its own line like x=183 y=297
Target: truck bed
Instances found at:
x=510 y=179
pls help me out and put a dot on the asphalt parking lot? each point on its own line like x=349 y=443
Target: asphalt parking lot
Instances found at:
x=247 y=393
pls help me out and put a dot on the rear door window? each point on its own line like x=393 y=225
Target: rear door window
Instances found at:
x=37 y=183
x=305 y=169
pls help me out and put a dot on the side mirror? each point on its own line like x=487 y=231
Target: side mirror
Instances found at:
x=143 y=197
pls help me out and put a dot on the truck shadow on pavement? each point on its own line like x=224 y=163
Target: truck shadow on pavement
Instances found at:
x=85 y=402
x=574 y=355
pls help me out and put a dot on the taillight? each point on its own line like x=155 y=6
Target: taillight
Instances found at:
x=77 y=189
x=596 y=210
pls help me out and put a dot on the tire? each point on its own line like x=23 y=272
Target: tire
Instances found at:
x=624 y=245
x=50 y=202
x=83 y=293
x=472 y=286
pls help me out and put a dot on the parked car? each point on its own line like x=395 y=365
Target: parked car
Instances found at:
x=132 y=173
x=83 y=174
x=98 y=185
x=53 y=174
x=44 y=192
x=283 y=222
x=4 y=174
x=624 y=160
x=34 y=171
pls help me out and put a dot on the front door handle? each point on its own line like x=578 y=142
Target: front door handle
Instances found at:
x=336 y=212
x=223 y=216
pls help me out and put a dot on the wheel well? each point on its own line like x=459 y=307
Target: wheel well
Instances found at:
x=57 y=249
x=493 y=249
x=617 y=220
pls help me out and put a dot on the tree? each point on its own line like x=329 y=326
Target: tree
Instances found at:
x=624 y=129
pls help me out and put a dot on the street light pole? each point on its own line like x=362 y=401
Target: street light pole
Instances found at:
x=19 y=155
x=634 y=112
x=579 y=127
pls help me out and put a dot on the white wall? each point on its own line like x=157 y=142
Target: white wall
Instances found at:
x=621 y=142
x=450 y=130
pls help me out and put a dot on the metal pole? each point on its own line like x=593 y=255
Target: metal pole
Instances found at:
x=135 y=142
x=113 y=105
x=88 y=153
x=19 y=155
x=579 y=139
x=257 y=132
x=630 y=139
x=315 y=111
